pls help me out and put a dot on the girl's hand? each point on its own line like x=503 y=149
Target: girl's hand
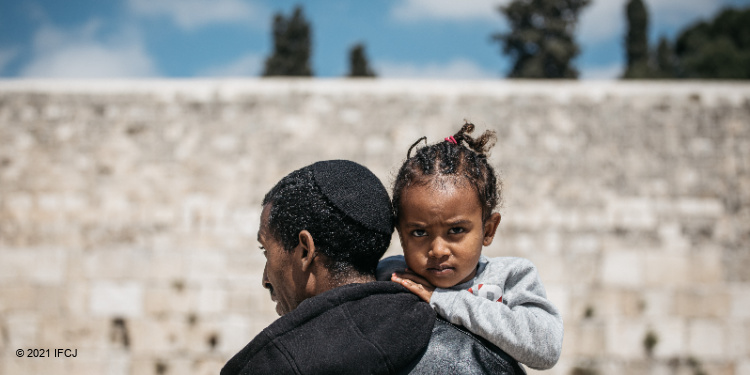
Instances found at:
x=415 y=283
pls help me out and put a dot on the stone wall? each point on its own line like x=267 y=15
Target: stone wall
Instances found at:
x=129 y=209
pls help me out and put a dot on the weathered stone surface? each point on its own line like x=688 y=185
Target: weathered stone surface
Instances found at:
x=129 y=210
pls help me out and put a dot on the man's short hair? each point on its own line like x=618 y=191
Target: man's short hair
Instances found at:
x=345 y=208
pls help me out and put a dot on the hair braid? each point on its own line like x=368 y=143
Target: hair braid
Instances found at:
x=467 y=160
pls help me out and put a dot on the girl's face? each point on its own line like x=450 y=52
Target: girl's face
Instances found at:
x=442 y=232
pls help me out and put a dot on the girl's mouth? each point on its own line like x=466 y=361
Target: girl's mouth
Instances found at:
x=441 y=270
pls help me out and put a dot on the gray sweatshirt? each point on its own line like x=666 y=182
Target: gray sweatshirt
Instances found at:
x=505 y=303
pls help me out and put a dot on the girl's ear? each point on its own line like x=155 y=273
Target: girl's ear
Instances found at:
x=490 y=227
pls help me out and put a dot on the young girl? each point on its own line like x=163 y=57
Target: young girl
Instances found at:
x=444 y=197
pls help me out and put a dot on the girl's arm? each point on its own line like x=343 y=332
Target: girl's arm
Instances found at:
x=525 y=324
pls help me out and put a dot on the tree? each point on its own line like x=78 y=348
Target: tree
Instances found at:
x=541 y=40
x=358 y=66
x=291 y=46
x=636 y=41
x=665 y=60
x=718 y=49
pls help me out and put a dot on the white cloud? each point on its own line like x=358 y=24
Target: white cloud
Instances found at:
x=247 y=65
x=79 y=53
x=190 y=14
x=606 y=72
x=6 y=56
x=457 y=10
x=455 y=69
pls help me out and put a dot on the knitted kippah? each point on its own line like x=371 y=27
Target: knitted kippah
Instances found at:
x=355 y=191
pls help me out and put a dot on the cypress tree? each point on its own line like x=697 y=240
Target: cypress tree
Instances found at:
x=540 y=40
x=636 y=41
x=358 y=65
x=665 y=60
x=291 y=46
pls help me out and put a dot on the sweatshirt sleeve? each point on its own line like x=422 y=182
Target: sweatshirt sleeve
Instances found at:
x=525 y=324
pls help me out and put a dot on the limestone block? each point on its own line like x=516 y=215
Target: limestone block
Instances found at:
x=34 y=265
x=245 y=267
x=589 y=338
x=658 y=302
x=22 y=330
x=625 y=338
x=560 y=298
x=82 y=332
x=672 y=238
x=740 y=302
x=208 y=366
x=707 y=338
x=51 y=365
x=50 y=300
x=15 y=297
x=155 y=365
x=163 y=337
x=208 y=299
x=551 y=268
x=671 y=335
x=718 y=368
x=634 y=213
x=117 y=363
x=117 y=263
x=76 y=295
x=738 y=345
x=166 y=265
x=235 y=332
x=14 y=365
x=109 y=298
x=166 y=300
x=702 y=302
x=742 y=366
x=706 y=267
x=206 y=265
x=622 y=268
x=666 y=269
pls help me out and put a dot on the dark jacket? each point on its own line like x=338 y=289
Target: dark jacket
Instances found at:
x=373 y=328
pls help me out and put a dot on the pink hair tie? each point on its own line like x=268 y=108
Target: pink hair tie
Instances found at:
x=451 y=140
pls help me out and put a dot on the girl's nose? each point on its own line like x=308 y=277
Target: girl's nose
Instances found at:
x=439 y=248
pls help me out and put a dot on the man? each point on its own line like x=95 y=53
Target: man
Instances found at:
x=323 y=229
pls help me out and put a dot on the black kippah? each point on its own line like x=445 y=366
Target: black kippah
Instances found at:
x=357 y=192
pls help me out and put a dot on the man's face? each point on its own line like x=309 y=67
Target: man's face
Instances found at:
x=278 y=274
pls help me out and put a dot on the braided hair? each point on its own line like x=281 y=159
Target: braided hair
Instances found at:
x=466 y=160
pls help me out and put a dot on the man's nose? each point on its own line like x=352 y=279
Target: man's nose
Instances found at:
x=264 y=281
x=439 y=248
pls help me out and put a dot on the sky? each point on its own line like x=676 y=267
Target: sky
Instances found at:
x=443 y=39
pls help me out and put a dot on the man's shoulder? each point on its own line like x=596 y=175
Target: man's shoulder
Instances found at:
x=453 y=350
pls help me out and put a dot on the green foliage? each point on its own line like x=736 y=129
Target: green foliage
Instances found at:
x=358 y=65
x=717 y=49
x=665 y=60
x=636 y=41
x=541 y=40
x=291 y=46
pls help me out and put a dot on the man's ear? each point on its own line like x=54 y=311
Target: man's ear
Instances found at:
x=307 y=249
x=490 y=227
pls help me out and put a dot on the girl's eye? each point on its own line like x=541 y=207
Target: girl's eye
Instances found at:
x=263 y=249
x=419 y=233
x=456 y=230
